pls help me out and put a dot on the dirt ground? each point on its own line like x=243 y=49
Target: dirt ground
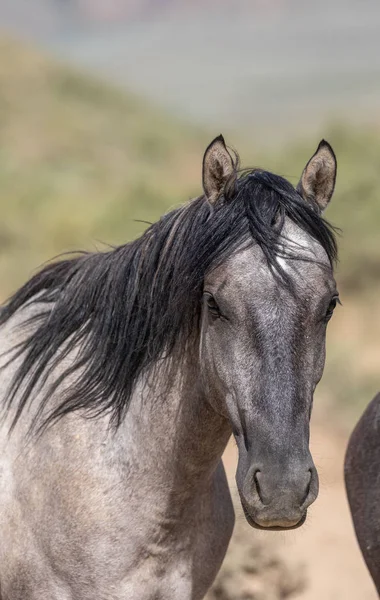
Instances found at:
x=325 y=548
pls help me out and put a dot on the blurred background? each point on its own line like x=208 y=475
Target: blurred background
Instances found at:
x=106 y=107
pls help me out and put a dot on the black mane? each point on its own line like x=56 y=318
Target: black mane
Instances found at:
x=126 y=308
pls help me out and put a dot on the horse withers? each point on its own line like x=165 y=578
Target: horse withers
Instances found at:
x=362 y=476
x=124 y=374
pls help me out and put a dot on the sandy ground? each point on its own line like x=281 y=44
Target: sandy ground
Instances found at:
x=325 y=547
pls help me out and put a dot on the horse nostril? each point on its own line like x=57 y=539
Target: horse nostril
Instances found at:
x=257 y=484
x=308 y=487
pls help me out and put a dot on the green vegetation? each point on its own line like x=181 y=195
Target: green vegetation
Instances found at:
x=80 y=162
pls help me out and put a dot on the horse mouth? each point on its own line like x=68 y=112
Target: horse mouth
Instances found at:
x=255 y=525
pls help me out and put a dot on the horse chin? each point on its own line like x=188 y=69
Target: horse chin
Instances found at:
x=255 y=525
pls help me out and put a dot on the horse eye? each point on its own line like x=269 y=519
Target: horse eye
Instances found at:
x=212 y=306
x=331 y=307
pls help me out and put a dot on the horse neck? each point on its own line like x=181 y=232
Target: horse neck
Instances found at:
x=177 y=431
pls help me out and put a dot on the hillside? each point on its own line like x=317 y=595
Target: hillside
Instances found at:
x=80 y=161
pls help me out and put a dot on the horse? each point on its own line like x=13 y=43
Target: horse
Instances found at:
x=361 y=470
x=125 y=372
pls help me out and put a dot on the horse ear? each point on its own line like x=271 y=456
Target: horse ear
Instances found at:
x=318 y=178
x=218 y=167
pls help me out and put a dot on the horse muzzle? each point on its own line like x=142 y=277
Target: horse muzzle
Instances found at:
x=278 y=499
